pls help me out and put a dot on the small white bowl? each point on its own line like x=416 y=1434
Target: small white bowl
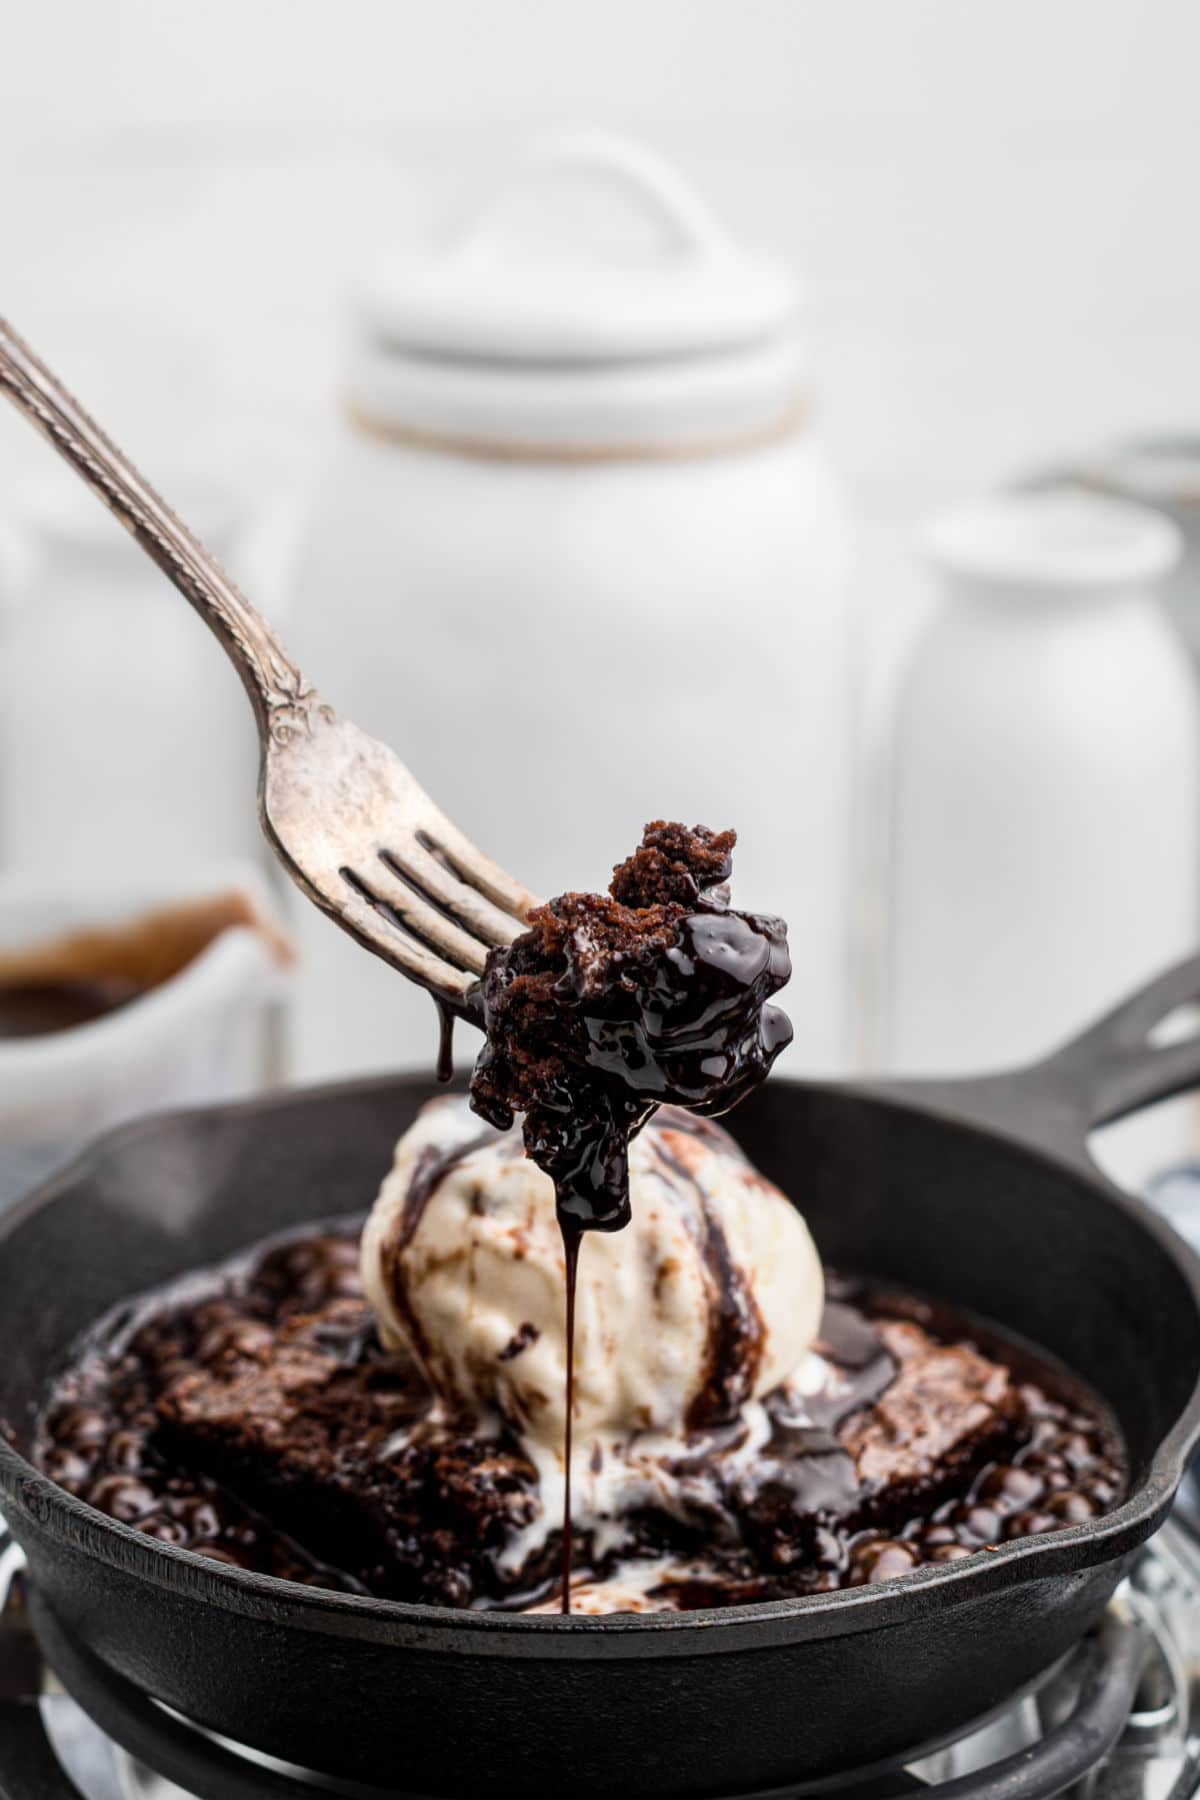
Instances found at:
x=186 y=1042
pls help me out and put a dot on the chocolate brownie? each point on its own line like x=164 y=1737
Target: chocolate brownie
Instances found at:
x=612 y=1004
x=258 y=1420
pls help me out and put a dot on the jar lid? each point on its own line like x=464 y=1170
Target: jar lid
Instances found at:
x=1065 y=539
x=481 y=294
x=541 y=342
x=1163 y=471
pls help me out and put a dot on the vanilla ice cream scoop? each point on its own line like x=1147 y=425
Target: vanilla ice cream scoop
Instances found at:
x=709 y=1299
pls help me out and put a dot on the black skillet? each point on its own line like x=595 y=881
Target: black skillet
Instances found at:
x=981 y=1192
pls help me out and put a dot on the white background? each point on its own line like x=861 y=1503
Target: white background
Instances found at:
x=993 y=200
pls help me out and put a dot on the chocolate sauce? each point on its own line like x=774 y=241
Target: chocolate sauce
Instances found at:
x=736 y=1334
x=80 y=976
x=521 y=1339
x=433 y=1165
x=250 y=1413
x=867 y=1367
x=611 y=1006
x=39 y=1009
x=445 y=1050
x=572 y=1237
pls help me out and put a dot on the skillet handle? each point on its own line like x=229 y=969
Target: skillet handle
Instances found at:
x=1114 y=1067
x=1111 y=1069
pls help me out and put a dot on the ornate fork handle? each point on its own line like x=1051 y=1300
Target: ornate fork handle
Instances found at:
x=284 y=702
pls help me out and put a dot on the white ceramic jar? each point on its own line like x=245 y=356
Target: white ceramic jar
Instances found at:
x=1163 y=472
x=126 y=744
x=581 y=558
x=1046 y=775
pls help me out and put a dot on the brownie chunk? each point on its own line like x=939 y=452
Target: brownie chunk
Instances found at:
x=896 y=1434
x=348 y=1460
x=613 y=1004
x=946 y=1407
x=346 y=1457
x=675 y=865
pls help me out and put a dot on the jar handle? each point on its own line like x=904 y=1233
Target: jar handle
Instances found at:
x=668 y=199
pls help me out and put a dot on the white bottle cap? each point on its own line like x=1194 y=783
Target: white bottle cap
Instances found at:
x=491 y=339
x=1163 y=471
x=1065 y=540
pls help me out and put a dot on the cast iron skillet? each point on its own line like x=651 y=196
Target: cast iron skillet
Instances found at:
x=981 y=1192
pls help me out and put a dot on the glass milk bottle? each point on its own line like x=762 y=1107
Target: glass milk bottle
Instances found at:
x=580 y=556
x=1046 y=787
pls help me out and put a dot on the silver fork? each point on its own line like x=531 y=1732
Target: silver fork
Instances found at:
x=352 y=827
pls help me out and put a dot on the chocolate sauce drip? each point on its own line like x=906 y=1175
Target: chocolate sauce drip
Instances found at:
x=609 y=1007
x=445 y=1051
x=572 y=1237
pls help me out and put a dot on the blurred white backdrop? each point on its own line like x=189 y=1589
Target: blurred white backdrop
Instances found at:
x=993 y=201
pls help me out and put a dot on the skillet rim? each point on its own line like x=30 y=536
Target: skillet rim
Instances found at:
x=50 y=1510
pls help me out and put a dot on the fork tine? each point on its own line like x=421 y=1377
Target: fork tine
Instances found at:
x=387 y=938
x=437 y=832
x=334 y=803
x=387 y=891
x=438 y=881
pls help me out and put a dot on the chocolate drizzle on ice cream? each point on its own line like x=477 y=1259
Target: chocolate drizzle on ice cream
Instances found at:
x=736 y=1330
